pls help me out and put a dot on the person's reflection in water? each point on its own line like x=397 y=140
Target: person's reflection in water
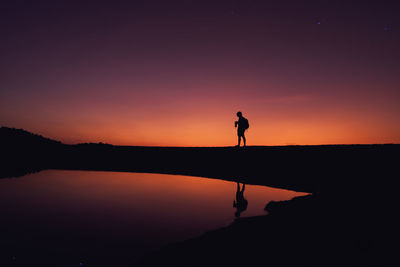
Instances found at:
x=241 y=203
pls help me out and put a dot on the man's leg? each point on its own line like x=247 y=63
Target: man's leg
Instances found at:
x=244 y=140
x=238 y=140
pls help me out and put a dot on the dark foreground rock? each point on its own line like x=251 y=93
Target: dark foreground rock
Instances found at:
x=307 y=231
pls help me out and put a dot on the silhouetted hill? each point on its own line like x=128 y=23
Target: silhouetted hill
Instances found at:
x=20 y=136
x=24 y=152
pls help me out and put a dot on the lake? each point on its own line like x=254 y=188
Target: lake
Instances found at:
x=85 y=218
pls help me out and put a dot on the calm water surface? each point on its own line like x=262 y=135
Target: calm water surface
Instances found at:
x=82 y=218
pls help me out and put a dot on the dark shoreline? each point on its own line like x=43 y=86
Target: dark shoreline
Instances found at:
x=305 y=231
x=299 y=168
x=349 y=220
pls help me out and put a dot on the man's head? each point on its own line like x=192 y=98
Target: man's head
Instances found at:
x=239 y=114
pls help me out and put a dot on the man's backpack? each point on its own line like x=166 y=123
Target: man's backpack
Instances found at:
x=246 y=124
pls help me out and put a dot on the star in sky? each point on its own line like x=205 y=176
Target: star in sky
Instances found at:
x=319 y=20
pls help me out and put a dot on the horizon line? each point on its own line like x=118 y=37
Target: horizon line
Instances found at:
x=174 y=146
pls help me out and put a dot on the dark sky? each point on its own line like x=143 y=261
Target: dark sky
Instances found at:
x=176 y=72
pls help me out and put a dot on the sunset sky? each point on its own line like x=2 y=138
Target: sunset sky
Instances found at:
x=174 y=73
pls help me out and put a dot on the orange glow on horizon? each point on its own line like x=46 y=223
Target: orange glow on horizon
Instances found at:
x=302 y=120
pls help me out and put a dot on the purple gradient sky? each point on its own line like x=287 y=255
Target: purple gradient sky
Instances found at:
x=176 y=72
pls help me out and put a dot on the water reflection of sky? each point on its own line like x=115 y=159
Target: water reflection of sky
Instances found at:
x=112 y=218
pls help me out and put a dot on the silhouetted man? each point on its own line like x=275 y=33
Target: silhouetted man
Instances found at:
x=242 y=125
x=241 y=203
